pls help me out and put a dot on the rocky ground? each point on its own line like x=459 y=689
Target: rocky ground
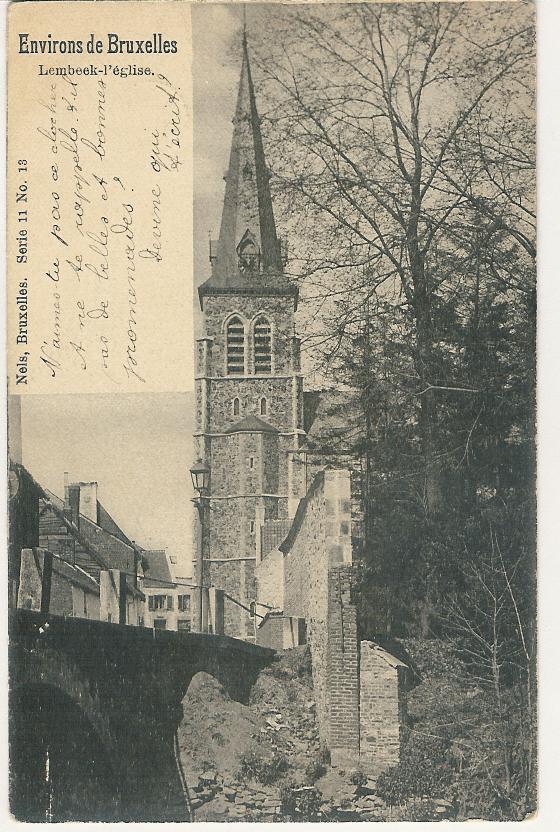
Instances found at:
x=264 y=761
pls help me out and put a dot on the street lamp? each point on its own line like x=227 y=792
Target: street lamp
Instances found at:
x=200 y=476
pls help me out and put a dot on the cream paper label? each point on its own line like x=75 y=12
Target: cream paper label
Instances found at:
x=99 y=197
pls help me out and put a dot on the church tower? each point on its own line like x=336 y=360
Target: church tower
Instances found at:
x=249 y=388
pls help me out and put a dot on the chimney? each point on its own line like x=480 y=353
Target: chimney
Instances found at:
x=66 y=482
x=72 y=503
x=88 y=500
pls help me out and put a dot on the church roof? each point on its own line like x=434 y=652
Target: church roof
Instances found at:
x=251 y=424
x=247 y=216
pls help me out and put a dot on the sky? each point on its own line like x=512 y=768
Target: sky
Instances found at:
x=216 y=71
x=138 y=447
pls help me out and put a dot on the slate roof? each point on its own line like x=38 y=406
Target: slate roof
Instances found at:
x=247 y=208
x=106 y=550
x=333 y=420
x=157 y=572
x=76 y=576
x=251 y=424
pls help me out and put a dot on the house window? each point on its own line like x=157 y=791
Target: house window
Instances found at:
x=236 y=406
x=184 y=603
x=235 y=345
x=160 y=624
x=263 y=347
x=160 y=602
x=184 y=625
x=262 y=406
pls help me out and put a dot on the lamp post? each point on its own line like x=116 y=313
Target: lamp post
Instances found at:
x=200 y=476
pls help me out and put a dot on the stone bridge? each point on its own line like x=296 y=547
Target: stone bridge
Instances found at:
x=94 y=710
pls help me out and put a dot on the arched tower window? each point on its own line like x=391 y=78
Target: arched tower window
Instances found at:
x=263 y=346
x=235 y=346
x=249 y=254
x=262 y=406
x=236 y=406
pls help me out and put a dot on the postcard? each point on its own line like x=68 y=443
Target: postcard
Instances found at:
x=271 y=296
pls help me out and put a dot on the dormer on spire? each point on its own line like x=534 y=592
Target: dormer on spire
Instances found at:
x=248 y=255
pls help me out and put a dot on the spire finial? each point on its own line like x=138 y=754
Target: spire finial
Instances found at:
x=244 y=25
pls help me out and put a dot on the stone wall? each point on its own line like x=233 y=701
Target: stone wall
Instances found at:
x=269 y=575
x=319 y=541
x=359 y=688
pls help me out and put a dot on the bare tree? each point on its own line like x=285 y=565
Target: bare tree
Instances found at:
x=382 y=139
x=493 y=627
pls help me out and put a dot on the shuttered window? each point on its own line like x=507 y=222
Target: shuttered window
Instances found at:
x=235 y=338
x=263 y=347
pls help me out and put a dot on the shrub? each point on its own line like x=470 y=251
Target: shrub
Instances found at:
x=409 y=779
x=324 y=755
x=315 y=770
x=358 y=778
x=266 y=770
x=300 y=802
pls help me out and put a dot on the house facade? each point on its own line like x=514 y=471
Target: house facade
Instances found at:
x=168 y=604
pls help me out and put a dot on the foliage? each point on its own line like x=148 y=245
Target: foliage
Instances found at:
x=266 y=770
x=423 y=772
x=314 y=771
x=302 y=803
x=358 y=778
x=324 y=754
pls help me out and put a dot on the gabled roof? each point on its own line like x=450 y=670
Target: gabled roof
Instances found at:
x=247 y=211
x=106 y=550
x=76 y=576
x=157 y=570
x=106 y=522
x=251 y=424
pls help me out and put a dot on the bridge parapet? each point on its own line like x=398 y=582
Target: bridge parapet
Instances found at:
x=126 y=685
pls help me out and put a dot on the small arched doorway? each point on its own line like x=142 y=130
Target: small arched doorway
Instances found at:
x=59 y=769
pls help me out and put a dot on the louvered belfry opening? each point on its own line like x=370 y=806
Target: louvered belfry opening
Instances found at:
x=235 y=347
x=263 y=347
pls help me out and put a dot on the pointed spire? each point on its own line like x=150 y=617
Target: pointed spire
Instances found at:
x=248 y=251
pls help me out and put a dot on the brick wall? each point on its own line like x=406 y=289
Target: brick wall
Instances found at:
x=382 y=706
x=342 y=669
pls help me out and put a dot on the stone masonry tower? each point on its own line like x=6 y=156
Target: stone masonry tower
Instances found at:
x=249 y=388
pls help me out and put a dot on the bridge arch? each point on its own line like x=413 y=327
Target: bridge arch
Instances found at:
x=54 y=750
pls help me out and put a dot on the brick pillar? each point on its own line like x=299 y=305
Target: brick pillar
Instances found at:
x=383 y=680
x=342 y=670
